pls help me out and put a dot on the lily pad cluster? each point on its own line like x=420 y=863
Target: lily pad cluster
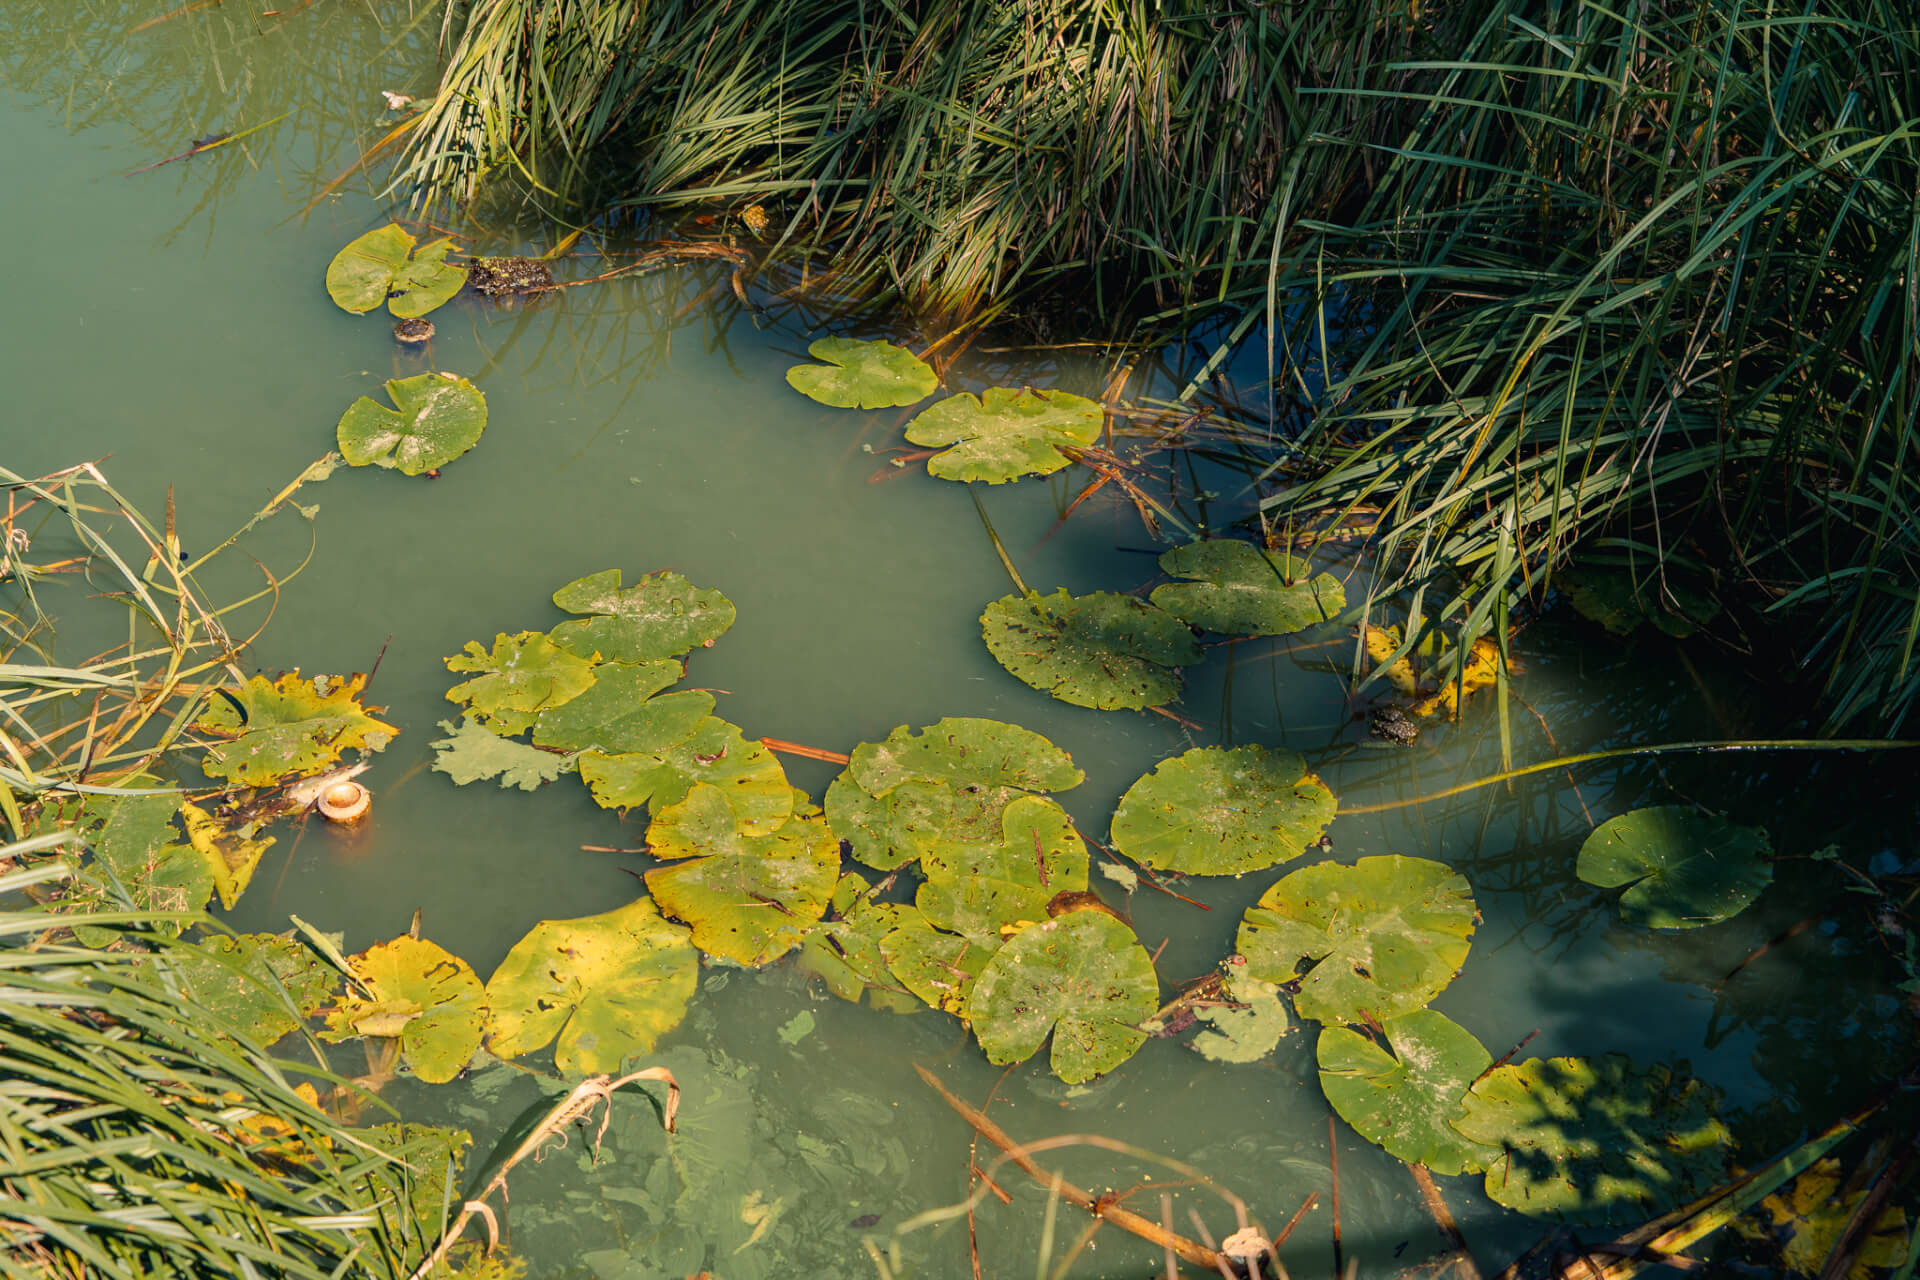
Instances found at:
x=1002 y=434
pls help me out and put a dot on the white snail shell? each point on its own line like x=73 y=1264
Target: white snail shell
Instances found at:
x=345 y=802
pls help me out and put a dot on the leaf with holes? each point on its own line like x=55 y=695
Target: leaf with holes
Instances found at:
x=383 y=266
x=607 y=986
x=843 y=950
x=1593 y=1140
x=716 y=753
x=1245 y=1034
x=523 y=675
x=269 y=730
x=1005 y=434
x=471 y=752
x=435 y=418
x=1684 y=868
x=137 y=842
x=661 y=616
x=623 y=710
x=1403 y=1098
x=261 y=985
x=1383 y=936
x=940 y=968
x=1081 y=977
x=230 y=854
x=1218 y=811
x=748 y=898
x=890 y=830
x=1236 y=589
x=1038 y=847
x=1103 y=650
x=862 y=375
x=964 y=751
x=431 y=1000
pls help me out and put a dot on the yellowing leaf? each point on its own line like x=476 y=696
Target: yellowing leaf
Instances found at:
x=1380 y=644
x=1483 y=669
x=231 y=855
x=289 y=728
x=1814 y=1209
x=419 y=992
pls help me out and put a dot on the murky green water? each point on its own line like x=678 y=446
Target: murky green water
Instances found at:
x=173 y=323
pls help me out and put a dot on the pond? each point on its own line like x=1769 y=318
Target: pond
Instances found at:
x=172 y=323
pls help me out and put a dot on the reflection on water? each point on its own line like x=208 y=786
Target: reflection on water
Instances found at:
x=175 y=321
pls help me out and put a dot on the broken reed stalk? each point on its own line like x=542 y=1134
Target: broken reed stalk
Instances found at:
x=1443 y=1218
x=575 y=1106
x=1333 y=1162
x=1126 y=1219
x=805 y=753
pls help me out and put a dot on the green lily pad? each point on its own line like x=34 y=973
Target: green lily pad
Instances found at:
x=269 y=730
x=843 y=951
x=1236 y=589
x=661 y=616
x=231 y=854
x=472 y=752
x=1685 y=868
x=430 y=999
x=1592 y=1140
x=1611 y=596
x=1243 y=1035
x=748 y=898
x=966 y=751
x=980 y=907
x=1384 y=936
x=1103 y=650
x=138 y=842
x=261 y=985
x=890 y=830
x=608 y=986
x=716 y=753
x=436 y=417
x=1404 y=1097
x=523 y=675
x=1038 y=847
x=862 y=375
x=1216 y=811
x=1005 y=434
x=383 y=266
x=620 y=712
x=1084 y=978
x=940 y=968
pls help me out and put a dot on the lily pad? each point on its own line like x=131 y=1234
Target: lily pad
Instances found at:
x=1593 y=1140
x=716 y=754
x=966 y=751
x=1685 y=868
x=1383 y=936
x=661 y=616
x=1218 y=811
x=1611 y=596
x=1084 y=978
x=620 y=711
x=138 y=842
x=259 y=984
x=383 y=266
x=523 y=675
x=436 y=417
x=230 y=854
x=981 y=907
x=430 y=999
x=472 y=752
x=1237 y=589
x=939 y=968
x=1243 y=1035
x=608 y=986
x=748 y=898
x=1038 y=847
x=862 y=375
x=1103 y=650
x=1404 y=1097
x=843 y=951
x=273 y=730
x=1005 y=434
x=890 y=830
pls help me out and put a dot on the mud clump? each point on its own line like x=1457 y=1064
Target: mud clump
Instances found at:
x=493 y=277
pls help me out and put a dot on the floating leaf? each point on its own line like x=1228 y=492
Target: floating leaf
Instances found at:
x=1242 y=1035
x=274 y=730
x=1005 y=434
x=661 y=616
x=966 y=751
x=843 y=951
x=1813 y=1211
x=1083 y=977
x=1217 y=811
x=412 y=1191
x=420 y=993
x=890 y=830
x=1612 y=596
x=1384 y=936
x=1237 y=589
x=1686 y=868
x=1482 y=671
x=1404 y=1097
x=139 y=844
x=981 y=907
x=715 y=753
x=620 y=712
x=940 y=968
x=1038 y=847
x=436 y=417
x=609 y=986
x=523 y=675
x=1594 y=1141
x=472 y=752
x=1103 y=650
x=259 y=984
x=748 y=898
x=383 y=266
x=862 y=375
x=230 y=855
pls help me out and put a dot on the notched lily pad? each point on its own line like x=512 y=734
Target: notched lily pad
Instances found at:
x=1103 y=650
x=715 y=753
x=521 y=676
x=1382 y=937
x=1223 y=811
x=624 y=710
x=471 y=752
x=431 y=1000
x=1083 y=978
x=1684 y=868
x=1592 y=1140
x=436 y=417
x=940 y=968
x=843 y=950
x=1403 y=1098
x=1236 y=589
x=1005 y=434
x=964 y=750
x=862 y=375
x=661 y=616
x=383 y=266
x=271 y=730
x=608 y=986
